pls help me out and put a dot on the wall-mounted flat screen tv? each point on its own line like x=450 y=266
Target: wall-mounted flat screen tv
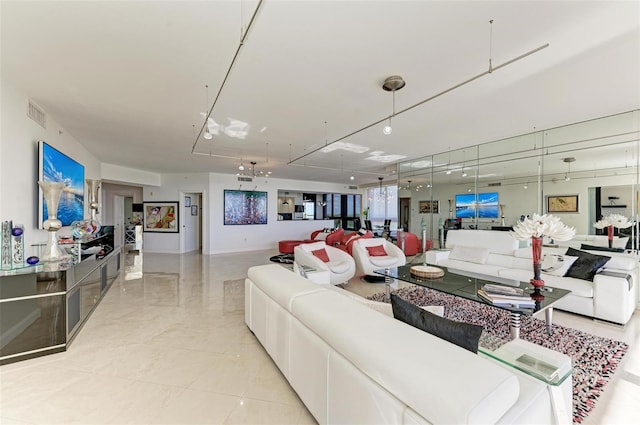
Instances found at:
x=486 y=205
x=58 y=167
x=245 y=207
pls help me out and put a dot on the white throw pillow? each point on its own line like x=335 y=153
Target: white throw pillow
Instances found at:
x=472 y=254
x=557 y=265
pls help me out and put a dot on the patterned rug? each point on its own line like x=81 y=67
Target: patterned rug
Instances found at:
x=282 y=258
x=594 y=359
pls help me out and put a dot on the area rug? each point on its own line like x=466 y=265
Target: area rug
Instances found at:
x=282 y=258
x=594 y=359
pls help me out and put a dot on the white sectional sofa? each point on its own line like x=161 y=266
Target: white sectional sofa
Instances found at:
x=352 y=364
x=612 y=296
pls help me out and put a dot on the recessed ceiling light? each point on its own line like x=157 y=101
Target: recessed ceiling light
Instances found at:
x=352 y=178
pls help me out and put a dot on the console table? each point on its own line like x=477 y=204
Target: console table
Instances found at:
x=43 y=307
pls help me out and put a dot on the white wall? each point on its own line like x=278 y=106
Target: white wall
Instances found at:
x=170 y=191
x=218 y=238
x=19 y=161
x=256 y=237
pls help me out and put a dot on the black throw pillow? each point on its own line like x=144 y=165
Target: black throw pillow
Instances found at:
x=586 y=266
x=465 y=335
x=600 y=248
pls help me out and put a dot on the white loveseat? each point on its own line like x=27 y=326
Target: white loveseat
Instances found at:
x=612 y=296
x=352 y=364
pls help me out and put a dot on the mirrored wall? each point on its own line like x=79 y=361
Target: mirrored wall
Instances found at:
x=579 y=172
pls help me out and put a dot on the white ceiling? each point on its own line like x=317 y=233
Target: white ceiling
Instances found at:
x=127 y=79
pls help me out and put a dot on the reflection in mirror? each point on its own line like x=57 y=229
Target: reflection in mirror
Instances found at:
x=593 y=162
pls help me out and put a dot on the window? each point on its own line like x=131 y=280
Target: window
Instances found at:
x=383 y=203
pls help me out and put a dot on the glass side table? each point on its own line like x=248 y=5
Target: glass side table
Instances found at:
x=550 y=367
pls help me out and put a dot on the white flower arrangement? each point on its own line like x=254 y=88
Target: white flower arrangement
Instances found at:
x=543 y=225
x=615 y=220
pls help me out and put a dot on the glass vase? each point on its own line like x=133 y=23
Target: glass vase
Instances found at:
x=93 y=186
x=51 y=192
x=536 y=249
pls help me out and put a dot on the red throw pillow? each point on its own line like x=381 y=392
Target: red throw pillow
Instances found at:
x=376 y=251
x=321 y=254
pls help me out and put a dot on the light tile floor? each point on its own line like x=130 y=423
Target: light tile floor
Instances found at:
x=168 y=345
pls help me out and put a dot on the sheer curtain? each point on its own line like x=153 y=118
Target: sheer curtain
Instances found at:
x=383 y=203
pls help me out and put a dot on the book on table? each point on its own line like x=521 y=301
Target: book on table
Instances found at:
x=507 y=300
x=503 y=290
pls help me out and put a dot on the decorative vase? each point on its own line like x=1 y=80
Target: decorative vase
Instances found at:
x=94 y=185
x=536 y=247
x=52 y=192
x=610 y=235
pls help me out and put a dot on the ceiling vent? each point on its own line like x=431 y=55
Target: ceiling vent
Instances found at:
x=244 y=179
x=35 y=113
x=353 y=187
x=495 y=184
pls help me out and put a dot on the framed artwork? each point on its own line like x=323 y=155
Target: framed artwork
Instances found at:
x=194 y=210
x=562 y=203
x=187 y=201
x=428 y=207
x=245 y=207
x=161 y=217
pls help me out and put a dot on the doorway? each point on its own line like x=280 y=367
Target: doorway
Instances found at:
x=405 y=214
x=192 y=223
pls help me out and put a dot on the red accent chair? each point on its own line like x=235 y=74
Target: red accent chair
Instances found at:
x=411 y=243
x=335 y=237
x=349 y=239
x=319 y=235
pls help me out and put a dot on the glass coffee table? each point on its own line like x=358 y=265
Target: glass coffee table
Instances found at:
x=466 y=286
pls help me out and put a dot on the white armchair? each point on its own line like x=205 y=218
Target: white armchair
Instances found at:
x=367 y=263
x=340 y=266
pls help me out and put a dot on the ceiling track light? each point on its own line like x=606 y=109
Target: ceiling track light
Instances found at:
x=392 y=84
x=207 y=134
x=242 y=42
x=429 y=99
x=568 y=161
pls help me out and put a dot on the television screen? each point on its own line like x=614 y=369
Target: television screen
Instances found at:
x=245 y=207
x=58 y=167
x=466 y=205
x=486 y=204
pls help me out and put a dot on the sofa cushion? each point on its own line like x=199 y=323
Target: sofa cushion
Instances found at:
x=472 y=254
x=497 y=242
x=557 y=265
x=586 y=266
x=464 y=335
x=383 y=261
x=321 y=254
x=376 y=251
x=338 y=266
x=600 y=248
x=465 y=266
